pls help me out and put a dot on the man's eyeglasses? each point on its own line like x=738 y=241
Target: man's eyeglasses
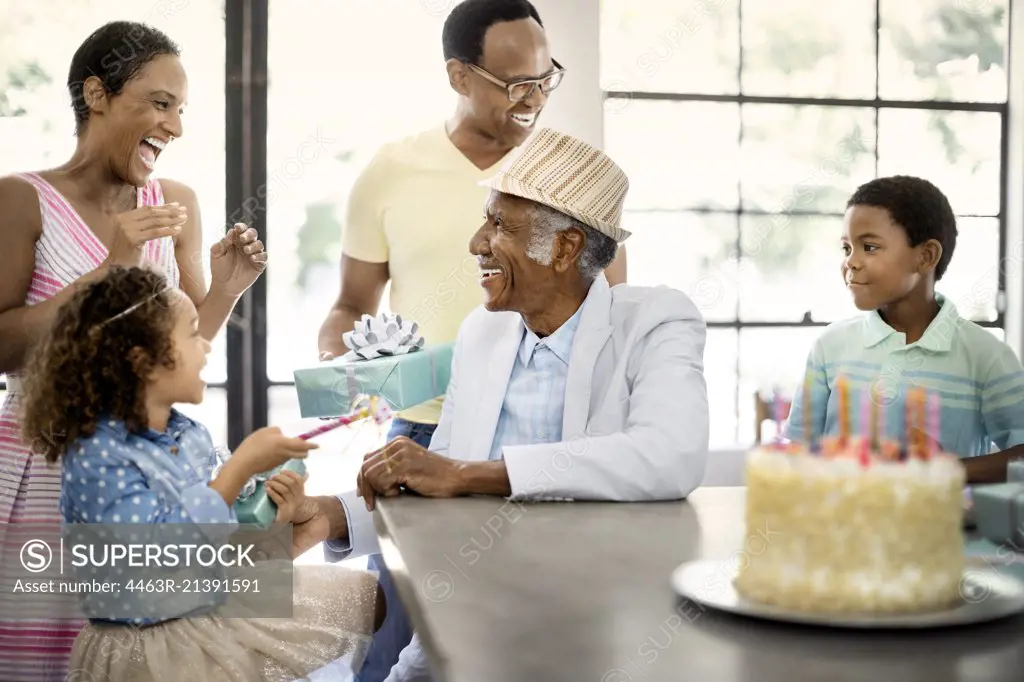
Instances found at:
x=522 y=88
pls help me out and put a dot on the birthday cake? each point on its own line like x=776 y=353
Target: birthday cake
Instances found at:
x=854 y=527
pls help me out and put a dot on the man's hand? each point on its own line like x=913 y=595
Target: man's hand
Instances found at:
x=312 y=523
x=404 y=463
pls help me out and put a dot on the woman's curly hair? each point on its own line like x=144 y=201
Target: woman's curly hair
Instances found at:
x=104 y=343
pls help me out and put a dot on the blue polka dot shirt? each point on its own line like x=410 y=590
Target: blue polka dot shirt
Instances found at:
x=119 y=477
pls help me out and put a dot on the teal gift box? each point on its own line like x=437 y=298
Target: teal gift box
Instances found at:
x=999 y=512
x=329 y=389
x=253 y=505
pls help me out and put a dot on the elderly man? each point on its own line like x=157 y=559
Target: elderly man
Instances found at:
x=422 y=194
x=561 y=387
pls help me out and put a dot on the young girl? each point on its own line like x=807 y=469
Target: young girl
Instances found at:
x=99 y=398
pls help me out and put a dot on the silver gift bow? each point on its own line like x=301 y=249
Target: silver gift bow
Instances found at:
x=250 y=487
x=382 y=336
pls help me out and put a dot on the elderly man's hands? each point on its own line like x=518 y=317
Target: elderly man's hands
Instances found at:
x=402 y=462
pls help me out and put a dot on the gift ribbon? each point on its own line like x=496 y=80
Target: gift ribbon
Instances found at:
x=433 y=373
x=250 y=486
x=352 y=383
x=350 y=378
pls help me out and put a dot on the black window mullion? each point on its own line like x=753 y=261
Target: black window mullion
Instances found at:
x=930 y=105
x=246 y=155
x=760 y=324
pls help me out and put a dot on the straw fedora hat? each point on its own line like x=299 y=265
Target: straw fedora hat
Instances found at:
x=570 y=176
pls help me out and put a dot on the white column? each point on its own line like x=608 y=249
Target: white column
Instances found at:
x=573 y=31
x=1013 y=262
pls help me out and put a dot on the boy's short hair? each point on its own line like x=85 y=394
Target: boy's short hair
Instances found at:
x=916 y=205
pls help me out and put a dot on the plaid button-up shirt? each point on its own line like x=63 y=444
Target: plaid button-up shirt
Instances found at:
x=535 y=398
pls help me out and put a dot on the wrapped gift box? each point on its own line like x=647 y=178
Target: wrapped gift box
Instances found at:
x=999 y=512
x=254 y=505
x=329 y=389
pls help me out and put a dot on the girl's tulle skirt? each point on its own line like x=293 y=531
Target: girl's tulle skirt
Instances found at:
x=333 y=619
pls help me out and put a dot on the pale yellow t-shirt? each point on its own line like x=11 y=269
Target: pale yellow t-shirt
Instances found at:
x=415 y=207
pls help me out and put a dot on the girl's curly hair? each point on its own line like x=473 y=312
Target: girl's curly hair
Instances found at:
x=104 y=343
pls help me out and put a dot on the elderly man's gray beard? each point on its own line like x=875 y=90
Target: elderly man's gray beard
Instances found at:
x=598 y=250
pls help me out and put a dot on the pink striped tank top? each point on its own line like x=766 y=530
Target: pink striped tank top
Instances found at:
x=37 y=650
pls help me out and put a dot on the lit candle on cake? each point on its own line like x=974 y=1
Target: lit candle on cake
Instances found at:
x=844 y=410
x=808 y=426
x=908 y=416
x=778 y=417
x=911 y=423
x=922 y=419
x=934 y=428
x=888 y=449
x=876 y=443
x=865 y=429
x=917 y=425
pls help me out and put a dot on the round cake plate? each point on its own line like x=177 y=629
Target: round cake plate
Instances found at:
x=985 y=595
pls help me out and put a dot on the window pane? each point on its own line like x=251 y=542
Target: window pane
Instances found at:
x=805 y=158
x=36 y=121
x=972 y=280
x=809 y=48
x=319 y=139
x=958 y=151
x=940 y=49
x=790 y=267
x=692 y=252
x=720 y=376
x=676 y=154
x=787 y=349
x=211 y=413
x=659 y=46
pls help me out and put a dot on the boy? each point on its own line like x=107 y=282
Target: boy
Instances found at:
x=898 y=239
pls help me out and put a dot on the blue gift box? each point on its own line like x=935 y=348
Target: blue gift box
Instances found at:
x=254 y=505
x=999 y=512
x=329 y=389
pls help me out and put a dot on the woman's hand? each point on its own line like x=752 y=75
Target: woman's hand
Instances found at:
x=236 y=261
x=287 y=490
x=141 y=225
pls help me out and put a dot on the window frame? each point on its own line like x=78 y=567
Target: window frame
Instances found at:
x=617 y=99
x=246 y=98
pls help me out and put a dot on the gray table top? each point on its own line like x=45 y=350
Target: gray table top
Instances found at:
x=580 y=592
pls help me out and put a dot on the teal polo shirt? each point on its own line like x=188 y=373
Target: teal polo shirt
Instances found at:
x=978 y=378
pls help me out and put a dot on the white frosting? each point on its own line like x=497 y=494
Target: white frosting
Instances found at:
x=845 y=537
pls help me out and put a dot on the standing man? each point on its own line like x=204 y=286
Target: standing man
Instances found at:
x=418 y=202
x=561 y=387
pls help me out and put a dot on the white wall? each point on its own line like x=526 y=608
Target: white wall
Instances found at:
x=577 y=106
